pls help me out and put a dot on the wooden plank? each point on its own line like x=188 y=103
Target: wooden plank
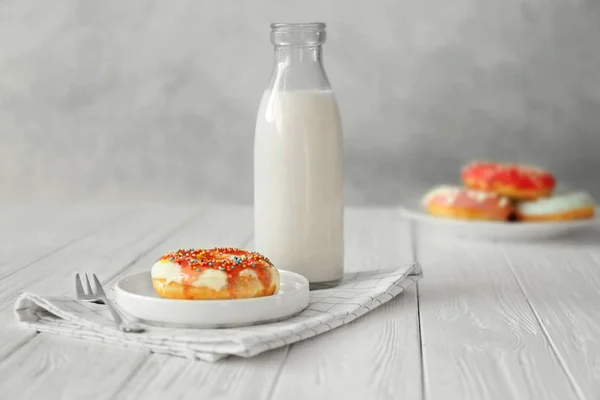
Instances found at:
x=30 y=235
x=376 y=356
x=481 y=339
x=163 y=377
x=54 y=367
x=561 y=281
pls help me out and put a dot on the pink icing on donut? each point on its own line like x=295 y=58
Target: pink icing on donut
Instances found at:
x=460 y=198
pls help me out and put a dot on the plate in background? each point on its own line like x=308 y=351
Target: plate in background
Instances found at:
x=490 y=230
x=135 y=295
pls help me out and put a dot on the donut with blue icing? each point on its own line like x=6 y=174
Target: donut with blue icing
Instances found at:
x=565 y=207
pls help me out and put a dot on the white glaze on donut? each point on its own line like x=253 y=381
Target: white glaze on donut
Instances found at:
x=171 y=272
x=450 y=193
x=447 y=191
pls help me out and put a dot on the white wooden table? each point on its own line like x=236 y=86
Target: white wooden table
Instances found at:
x=488 y=320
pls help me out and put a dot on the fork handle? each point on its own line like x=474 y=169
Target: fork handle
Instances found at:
x=121 y=325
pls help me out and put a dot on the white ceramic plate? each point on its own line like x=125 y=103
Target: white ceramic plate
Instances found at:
x=136 y=296
x=490 y=230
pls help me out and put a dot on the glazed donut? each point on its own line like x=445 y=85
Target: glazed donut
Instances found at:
x=522 y=182
x=459 y=203
x=571 y=206
x=215 y=273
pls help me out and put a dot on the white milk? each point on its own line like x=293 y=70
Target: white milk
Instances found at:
x=298 y=174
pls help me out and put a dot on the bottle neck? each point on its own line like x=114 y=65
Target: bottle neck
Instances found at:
x=287 y=55
x=299 y=68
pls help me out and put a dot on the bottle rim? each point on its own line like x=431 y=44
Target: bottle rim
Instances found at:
x=304 y=34
x=299 y=26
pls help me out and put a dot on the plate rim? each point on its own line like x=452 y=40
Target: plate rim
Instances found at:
x=282 y=272
x=276 y=307
x=423 y=216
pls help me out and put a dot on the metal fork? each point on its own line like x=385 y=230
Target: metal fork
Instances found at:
x=98 y=294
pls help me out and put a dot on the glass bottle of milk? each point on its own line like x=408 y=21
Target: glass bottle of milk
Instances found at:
x=298 y=161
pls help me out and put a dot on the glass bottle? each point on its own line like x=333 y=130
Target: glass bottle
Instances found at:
x=298 y=161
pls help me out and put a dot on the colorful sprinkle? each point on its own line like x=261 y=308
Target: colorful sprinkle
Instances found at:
x=224 y=259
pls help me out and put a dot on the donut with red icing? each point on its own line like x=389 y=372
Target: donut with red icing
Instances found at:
x=516 y=181
x=215 y=273
x=460 y=203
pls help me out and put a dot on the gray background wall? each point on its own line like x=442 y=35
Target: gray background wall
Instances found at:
x=143 y=99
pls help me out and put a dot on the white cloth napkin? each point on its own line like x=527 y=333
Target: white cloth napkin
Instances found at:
x=358 y=294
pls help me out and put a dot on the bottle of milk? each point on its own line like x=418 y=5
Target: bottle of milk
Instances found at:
x=298 y=161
